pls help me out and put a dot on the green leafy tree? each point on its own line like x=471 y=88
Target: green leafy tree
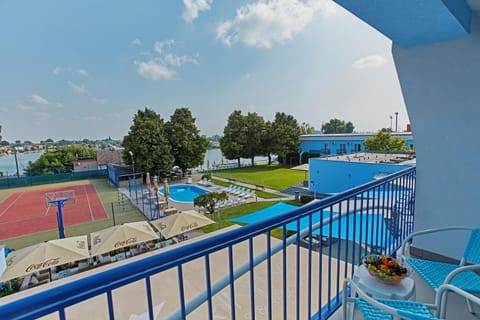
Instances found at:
x=147 y=142
x=382 y=141
x=286 y=133
x=306 y=128
x=234 y=137
x=60 y=160
x=255 y=126
x=337 y=126
x=209 y=200
x=188 y=147
x=268 y=140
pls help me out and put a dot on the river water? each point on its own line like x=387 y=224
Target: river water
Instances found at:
x=7 y=162
x=213 y=158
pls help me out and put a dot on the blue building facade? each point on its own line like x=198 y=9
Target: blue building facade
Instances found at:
x=331 y=144
x=335 y=176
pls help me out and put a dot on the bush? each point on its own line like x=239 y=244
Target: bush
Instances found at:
x=305 y=199
x=207 y=176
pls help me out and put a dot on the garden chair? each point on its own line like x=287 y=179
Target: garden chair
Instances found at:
x=384 y=309
x=436 y=273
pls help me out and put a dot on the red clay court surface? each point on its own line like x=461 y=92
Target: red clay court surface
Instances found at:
x=24 y=213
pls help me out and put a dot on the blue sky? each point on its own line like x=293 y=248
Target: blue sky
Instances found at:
x=81 y=69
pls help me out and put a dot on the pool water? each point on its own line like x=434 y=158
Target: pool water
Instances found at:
x=365 y=228
x=184 y=192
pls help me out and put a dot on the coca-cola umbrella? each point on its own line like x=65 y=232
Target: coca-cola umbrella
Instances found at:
x=45 y=255
x=166 y=191
x=182 y=222
x=125 y=235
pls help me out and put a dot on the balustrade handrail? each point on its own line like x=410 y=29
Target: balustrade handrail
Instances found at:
x=54 y=299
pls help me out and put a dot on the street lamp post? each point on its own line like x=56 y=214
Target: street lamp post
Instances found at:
x=391 y=123
x=396 y=121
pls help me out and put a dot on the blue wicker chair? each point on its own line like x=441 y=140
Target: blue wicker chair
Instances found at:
x=435 y=273
x=385 y=309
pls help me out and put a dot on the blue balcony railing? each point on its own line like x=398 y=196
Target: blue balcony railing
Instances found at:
x=255 y=275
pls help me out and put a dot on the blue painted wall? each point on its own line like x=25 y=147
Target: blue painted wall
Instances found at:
x=341 y=143
x=330 y=176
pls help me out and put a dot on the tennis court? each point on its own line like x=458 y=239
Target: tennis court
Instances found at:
x=25 y=212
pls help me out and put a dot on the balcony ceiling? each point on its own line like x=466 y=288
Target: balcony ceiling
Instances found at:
x=415 y=22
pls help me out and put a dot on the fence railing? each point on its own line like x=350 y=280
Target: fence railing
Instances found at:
x=247 y=272
x=23 y=181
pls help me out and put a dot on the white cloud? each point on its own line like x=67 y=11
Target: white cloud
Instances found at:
x=42 y=115
x=178 y=61
x=83 y=72
x=59 y=105
x=161 y=45
x=154 y=70
x=193 y=7
x=24 y=107
x=81 y=90
x=266 y=22
x=99 y=100
x=136 y=42
x=38 y=99
x=369 y=62
x=56 y=71
x=78 y=88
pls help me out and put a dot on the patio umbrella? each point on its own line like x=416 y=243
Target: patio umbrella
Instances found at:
x=125 y=235
x=155 y=183
x=176 y=224
x=45 y=255
x=302 y=167
x=147 y=181
x=166 y=191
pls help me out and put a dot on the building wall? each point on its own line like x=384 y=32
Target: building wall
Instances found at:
x=341 y=143
x=330 y=176
x=85 y=165
x=441 y=87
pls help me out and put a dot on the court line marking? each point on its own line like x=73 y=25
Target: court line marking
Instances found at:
x=88 y=201
x=11 y=204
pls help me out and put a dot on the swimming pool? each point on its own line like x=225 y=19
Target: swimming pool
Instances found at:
x=184 y=192
x=365 y=228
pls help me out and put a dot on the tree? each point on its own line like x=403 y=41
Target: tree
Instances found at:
x=337 y=126
x=60 y=160
x=382 y=141
x=234 y=137
x=286 y=133
x=255 y=127
x=268 y=139
x=146 y=140
x=188 y=147
x=209 y=200
x=306 y=128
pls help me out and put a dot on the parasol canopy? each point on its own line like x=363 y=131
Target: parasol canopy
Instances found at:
x=45 y=255
x=176 y=224
x=125 y=235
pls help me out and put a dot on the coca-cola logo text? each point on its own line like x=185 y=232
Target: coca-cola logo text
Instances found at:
x=190 y=226
x=124 y=243
x=42 y=265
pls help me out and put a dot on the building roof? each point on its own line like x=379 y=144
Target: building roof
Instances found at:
x=374 y=157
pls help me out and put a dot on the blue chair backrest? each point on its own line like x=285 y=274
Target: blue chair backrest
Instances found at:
x=472 y=250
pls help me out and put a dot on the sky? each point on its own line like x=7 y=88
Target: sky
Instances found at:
x=82 y=69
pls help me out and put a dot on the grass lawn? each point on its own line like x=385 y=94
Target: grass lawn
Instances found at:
x=238 y=211
x=107 y=194
x=274 y=177
x=260 y=193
